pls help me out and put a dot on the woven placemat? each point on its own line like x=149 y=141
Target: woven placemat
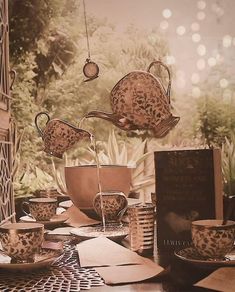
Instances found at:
x=65 y=275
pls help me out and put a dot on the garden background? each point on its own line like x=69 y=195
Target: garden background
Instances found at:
x=48 y=49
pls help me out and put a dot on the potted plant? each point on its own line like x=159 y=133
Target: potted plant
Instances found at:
x=123 y=168
x=228 y=168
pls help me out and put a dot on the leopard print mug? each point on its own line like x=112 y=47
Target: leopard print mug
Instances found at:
x=211 y=239
x=41 y=209
x=114 y=205
x=21 y=241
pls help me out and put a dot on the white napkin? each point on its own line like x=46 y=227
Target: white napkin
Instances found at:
x=223 y=279
x=115 y=263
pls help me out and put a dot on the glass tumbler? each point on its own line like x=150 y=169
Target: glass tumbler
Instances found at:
x=141 y=228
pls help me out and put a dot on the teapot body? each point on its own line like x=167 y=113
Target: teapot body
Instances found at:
x=140 y=98
x=139 y=101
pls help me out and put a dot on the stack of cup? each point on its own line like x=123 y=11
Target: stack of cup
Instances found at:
x=141 y=218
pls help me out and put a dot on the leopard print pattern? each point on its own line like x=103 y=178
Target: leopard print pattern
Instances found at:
x=22 y=245
x=140 y=97
x=114 y=206
x=42 y=211
x=214 y=242
x=60 y=136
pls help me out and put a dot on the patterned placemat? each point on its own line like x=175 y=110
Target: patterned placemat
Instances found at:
x=65 y=275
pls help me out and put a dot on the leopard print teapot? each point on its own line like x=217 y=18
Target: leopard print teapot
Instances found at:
x=140 y=102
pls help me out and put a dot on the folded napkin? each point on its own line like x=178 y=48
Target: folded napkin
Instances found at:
x=102 y=251
x=129 y=273
x=115 y=263
x=77 y=218
x=223 y=279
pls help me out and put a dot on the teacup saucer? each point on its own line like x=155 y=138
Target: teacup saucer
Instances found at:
x=54 y=221
x=115 y=233
x=66 y=204
x=190 y=255
x=45 y=258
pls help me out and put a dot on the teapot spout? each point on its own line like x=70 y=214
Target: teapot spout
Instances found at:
x=118 y=120
x=164 y=127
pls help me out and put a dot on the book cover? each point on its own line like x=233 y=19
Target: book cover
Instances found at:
x=188 y=187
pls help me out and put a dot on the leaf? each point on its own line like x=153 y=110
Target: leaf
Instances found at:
x=57 y=69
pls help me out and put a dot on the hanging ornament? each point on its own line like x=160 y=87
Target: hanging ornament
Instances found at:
x=90 y=69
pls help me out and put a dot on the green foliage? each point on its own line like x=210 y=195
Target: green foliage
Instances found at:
x=33 y=179
x=228 y=159
x=216 y=120
x=216 y=107
x=132 y=153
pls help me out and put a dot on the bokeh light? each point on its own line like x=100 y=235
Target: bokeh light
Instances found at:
x=164 y=24
x=201 y=5
x=196 y=37
x=201 y=64
x=223 y=83
x=211 y=61
x=181 y=30
x=167 y=13
x=170 y=60
x=180 y=82
x=196 y=92
x=195 y=78
x=227 y=41
x=201 y=15
x=217 y=9
x=195 y=26
x=201 y=50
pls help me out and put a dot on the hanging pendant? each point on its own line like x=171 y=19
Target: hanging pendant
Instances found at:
x=90 y=70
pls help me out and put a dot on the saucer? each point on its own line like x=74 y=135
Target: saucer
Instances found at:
x=45 y=258
x=54 y=221
x=66 y=204
x=115 y=233
x=190 y=255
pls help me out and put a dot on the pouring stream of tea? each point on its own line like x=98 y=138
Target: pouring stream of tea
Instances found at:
x=93 y=143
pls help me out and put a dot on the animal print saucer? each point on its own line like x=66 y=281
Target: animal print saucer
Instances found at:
x=190 y=255
x=53 y=222
x=112 y=232
x=45 y=258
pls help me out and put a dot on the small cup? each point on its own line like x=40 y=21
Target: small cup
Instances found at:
x=41 y=209
x=142 y=217
x=211 y=239
x=114 y=205
x=21 y=241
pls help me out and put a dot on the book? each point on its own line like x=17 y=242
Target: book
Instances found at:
x=188 y=187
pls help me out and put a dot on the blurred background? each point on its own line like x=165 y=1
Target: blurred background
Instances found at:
x=48 y=49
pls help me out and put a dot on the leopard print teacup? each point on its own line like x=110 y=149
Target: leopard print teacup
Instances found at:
x=41 y=209
x=114 y=205
x=21 y=241
x=211 y=239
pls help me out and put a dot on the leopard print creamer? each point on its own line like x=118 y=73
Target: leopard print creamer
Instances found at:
x=59 y=136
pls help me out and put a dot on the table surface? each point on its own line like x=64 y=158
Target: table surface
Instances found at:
x=179 y=275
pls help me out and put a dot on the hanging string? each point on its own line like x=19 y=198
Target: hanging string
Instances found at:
x=87 y=39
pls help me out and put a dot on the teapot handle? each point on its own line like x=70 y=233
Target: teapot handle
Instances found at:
x=36 y=122
x=168 y=91
x=13 y=77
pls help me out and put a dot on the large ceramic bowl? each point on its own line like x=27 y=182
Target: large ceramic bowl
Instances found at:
x=82 y=183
